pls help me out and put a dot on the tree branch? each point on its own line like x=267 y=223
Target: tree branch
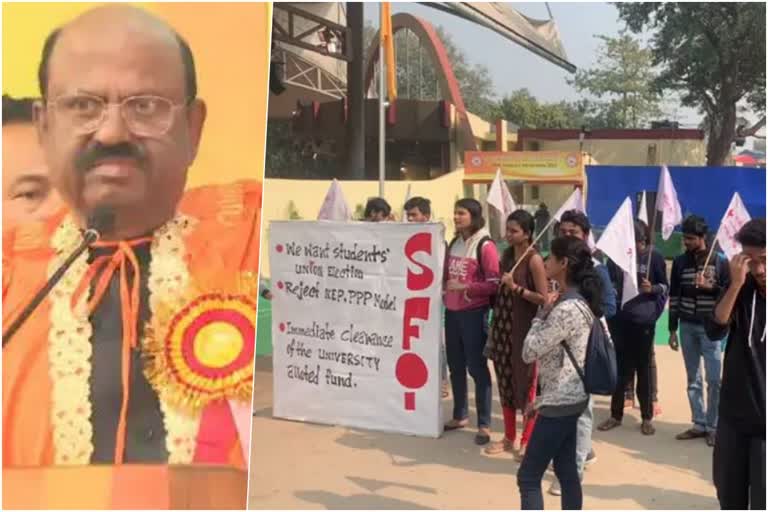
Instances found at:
x=710 y=101
x=750 y=132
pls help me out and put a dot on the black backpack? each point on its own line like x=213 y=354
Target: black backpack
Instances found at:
x=479 y=256
x=599 y=375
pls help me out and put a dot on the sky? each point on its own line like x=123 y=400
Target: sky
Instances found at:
x=512 y=67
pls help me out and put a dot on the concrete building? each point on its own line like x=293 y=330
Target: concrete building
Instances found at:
x=622 y=147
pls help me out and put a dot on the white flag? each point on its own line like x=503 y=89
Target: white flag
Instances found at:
x=618 y=243
x=642 y=214
x=576 y=202
x=334 y=206
x=500 y=198
x=734 y=218
x=667 y=204
x=407 y=197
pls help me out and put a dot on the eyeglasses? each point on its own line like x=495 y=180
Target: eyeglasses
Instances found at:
x=144 y=116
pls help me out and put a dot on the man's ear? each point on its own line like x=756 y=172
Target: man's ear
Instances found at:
x=196 y=114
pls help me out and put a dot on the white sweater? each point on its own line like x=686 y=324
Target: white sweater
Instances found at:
x=560 y=383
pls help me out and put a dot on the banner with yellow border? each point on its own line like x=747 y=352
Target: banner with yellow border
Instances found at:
x=529 y=166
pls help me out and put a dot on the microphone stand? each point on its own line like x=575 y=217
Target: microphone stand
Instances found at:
x=90 y=236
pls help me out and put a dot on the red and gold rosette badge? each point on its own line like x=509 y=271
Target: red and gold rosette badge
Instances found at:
x=206 y=353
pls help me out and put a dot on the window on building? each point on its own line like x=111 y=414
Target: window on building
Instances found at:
x=534 y=192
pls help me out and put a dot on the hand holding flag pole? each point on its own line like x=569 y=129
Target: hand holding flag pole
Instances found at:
x=669 y=206
x=735 y=216
x=574 y=202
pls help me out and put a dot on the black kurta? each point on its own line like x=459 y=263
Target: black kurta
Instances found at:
x=145 y=430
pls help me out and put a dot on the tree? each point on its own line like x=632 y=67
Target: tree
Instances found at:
x=282 y=156
x=622 y=83
x=417 y=77
x=713 y=54
x=522 y=108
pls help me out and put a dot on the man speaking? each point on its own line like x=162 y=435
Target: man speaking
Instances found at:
x=142 y=352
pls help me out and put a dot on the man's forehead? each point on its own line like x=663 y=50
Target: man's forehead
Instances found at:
x=21 y=149
x=36 y=174
x=116 y=17
x=116 y=36
x=755 y=251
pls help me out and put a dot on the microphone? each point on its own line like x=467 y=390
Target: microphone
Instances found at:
x=100 y=222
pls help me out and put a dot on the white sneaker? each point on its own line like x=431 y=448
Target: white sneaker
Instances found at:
x=554 y=489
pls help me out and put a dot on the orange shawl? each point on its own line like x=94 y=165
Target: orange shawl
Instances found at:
x=222 y=252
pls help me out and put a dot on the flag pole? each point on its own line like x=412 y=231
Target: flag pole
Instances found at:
x=382 y=128
x=533 y=244
x=711 y=251
x=651 y=238
x=535 y=240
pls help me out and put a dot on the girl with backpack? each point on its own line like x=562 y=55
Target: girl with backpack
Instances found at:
x=566 y=321
x=470 y=281
x=518 y=299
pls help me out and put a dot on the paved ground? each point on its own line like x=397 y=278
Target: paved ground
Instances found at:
x=304 y=466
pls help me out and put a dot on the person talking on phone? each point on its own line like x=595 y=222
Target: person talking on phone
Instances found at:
x=739 y=455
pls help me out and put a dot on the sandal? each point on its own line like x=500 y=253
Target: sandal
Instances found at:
x=501 y=446
x=647 y=428
x=609 y=424
x=690 y=434
x=520 y=454
x=456 y=424
x=482 y=437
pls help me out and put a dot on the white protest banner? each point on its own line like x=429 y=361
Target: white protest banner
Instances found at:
x=576 y=202
x=501 y=200
x=618 y=243
x=734 y=218
x=356 y=324
x=334 y=206
x=642 y=213
x=667 y=204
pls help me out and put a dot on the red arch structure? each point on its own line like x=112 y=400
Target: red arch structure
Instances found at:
x=449 y=86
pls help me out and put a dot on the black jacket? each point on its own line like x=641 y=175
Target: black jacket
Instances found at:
x=742 y=392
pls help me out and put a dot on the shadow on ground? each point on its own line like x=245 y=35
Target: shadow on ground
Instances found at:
x=693 y=456
x=333 y=501
x=649 y=497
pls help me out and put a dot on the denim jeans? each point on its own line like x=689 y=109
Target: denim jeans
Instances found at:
x=696 y=345
x=553 y=439
x=443 y=361
x=465 y=335
x=443 y=355
x=584 y=438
